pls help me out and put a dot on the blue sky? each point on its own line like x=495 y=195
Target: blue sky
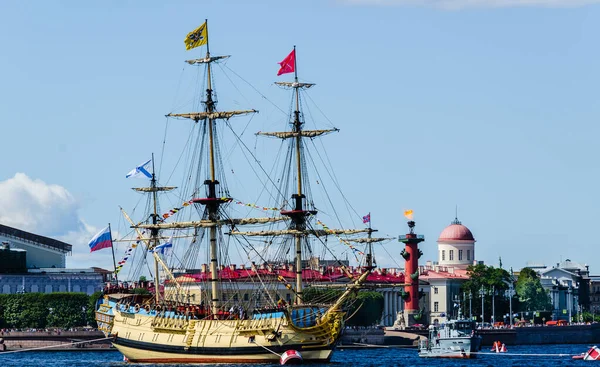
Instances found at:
x=488 y=105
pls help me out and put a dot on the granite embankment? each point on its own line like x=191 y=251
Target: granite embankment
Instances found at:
x=530 y=335
x=572 y=334
x=94 y=340
x=372 y=337
x=53 y=340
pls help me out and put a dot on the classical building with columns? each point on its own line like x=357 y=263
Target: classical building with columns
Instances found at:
x=568 y=285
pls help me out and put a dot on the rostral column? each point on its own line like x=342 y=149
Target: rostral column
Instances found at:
x=411 y=255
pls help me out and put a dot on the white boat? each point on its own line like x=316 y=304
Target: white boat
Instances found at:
x=229 y=314
x=453 y=339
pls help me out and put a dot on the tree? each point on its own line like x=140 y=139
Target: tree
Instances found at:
x=363 y=308
x=141 y=291
x=490 y=280
x=13 y=311
x=532 y=295
x=67 y=310
x=39 y=310
x=91 y=308
x=366 y=310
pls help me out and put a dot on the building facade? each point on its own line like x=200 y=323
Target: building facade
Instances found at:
x=568 y=286
x=42 y=252
x=53 y=280
x=30 y=263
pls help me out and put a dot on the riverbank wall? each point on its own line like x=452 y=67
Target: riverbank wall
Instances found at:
x=572 y=334
x=53 y=340
x=530 y=335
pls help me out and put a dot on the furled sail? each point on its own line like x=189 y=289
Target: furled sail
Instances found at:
x=294 y=134
x=154 y=189
x=316 y=232
x=197 y=116
x=295 y=84
x=206 y=60
x=369 y=240
x=205 y=223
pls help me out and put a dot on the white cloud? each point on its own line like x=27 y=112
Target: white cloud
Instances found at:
x=49 y=210
x=460 y=4
x=34 y=206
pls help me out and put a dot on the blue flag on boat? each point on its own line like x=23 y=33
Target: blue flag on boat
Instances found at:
x=101 y=240
x=367 y=218
x=164 y=247
x=140 y=171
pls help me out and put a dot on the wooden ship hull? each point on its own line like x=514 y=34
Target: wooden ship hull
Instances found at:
x=168 y=337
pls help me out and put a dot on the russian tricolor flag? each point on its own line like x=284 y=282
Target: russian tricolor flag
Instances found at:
x=101 y=240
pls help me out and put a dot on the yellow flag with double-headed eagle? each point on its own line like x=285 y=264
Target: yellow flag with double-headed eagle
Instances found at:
x=197 y=37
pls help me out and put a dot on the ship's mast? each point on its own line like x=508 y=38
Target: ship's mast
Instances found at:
x=298 y=218
x=298 y=213
x=212 y=201
x=212 y=194
x=370 y=243
x=154 y=232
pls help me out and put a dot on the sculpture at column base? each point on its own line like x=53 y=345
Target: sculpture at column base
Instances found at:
x=399 y=324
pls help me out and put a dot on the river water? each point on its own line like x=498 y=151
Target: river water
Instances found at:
x=517 y=356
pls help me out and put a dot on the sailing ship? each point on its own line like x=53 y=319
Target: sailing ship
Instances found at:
x=223 y=313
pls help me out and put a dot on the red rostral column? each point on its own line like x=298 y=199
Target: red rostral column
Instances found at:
x=411 y=255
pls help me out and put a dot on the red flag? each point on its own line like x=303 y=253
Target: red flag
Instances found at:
x=288 y=64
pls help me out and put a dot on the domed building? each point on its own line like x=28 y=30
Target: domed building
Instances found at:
x=456 y=251
x=456 y=246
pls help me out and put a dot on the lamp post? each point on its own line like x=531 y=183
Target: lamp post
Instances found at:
x=482 y=294
x=470 y=306
x=569 y=301
x=511 y=293
x=493 y=305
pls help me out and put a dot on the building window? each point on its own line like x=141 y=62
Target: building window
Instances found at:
x=435 y=290
x=443 y=255
x=451 y=255
x=245 y=296
x=468 y=255
x=436 y=307
x=459 y=255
